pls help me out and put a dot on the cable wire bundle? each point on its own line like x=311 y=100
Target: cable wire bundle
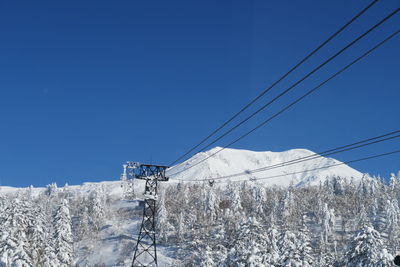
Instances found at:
x=290 y=105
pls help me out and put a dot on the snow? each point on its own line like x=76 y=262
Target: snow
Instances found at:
x=231 y=161
x=113 y=244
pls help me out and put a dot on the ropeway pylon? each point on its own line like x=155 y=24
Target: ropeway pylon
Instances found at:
x=146 y=248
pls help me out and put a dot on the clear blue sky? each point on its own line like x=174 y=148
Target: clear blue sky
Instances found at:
x=87 y=85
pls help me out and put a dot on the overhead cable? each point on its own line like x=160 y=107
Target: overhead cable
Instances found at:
x=295 y=102
x=277 y=81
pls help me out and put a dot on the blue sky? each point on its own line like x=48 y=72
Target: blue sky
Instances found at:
x=87 y=85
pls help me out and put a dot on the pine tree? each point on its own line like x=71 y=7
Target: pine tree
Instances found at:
x=14 y=244
x=327 y=221
x=163 y=226
x=338 y=185
x=250 y=245
x=303 y=243
x=181 y=228
x=393 y=181
x=392 y=228
x=206 y=258
x=363 y=218
x=259 y=200
x=49 y=257
x=63 y=235
x=96 y=210
x=289 y=251
x=272 y=257
x=235 y=200
x=51 y=190
x=288 y=209
x=211 y=204
x=2 y=205
x=36 y=232
x=367 y=250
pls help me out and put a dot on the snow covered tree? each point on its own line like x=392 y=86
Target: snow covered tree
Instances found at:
x=14 y=244
x=338 y=185
x=51 y=190
x=181 y=227
x=36 y=232
x=163 y=226
x=363 y=218
x=303 y=243
x=63 y=235
x=128 y=187
x=211 y=204
x=81 y=224
x=287 y=209
x=250 y=245
x=206 y=258
x=289 y=252
x=327 y=222
x=96 y=210
x=393 y=181
x=367 y=250
x=234 y=199
x=392 y=229
x=272 y=256
x=388 y=222
x=49 y=258
x=259 y=200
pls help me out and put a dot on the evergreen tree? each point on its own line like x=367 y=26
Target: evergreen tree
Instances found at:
x=250 y=245
x=51 y=190
x=14 y=244
x=49 y=257
x=287 y=203
x=63 y=235
x=367 y=250
x=36 y=232
x=259 y=200
x=234 y=199
x=163 y=226
x=304 y=245
x=206 y=258
x=327 y=221
x=272 y=257
x=289 y=253
x=181 y=228
x=211 y=204
x=363 y=218
x=96 y=210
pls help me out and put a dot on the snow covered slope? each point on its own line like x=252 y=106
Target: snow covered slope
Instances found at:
x=114 y=242
x=230 y=161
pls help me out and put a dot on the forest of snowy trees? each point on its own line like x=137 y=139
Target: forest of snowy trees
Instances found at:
x=43 y=230
x=338 y=223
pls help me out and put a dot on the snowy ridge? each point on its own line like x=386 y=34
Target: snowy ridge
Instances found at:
x=230 y=161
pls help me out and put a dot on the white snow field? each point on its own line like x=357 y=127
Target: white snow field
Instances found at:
x=230 y=161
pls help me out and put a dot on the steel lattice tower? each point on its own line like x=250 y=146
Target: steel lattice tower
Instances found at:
x=146 y=248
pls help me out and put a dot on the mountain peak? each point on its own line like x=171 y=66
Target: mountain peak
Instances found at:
x=231 y=161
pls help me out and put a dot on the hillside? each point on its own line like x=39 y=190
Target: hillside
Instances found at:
x=230 y=161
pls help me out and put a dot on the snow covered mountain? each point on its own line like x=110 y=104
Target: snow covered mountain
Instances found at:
x=209 y=225
x=231 y=161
